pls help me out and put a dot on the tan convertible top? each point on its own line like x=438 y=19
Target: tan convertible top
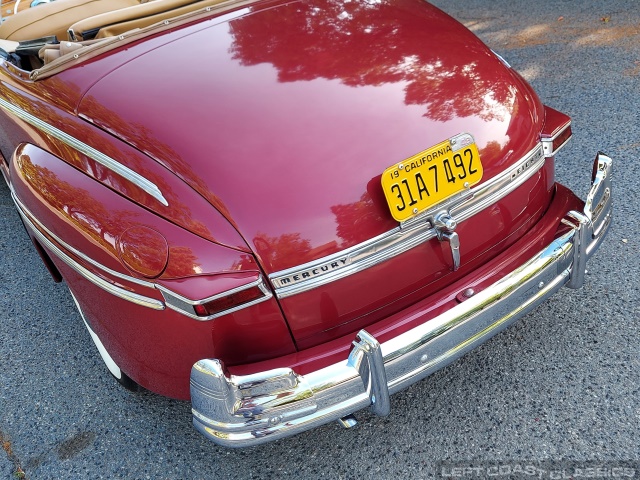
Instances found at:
x=54 y=18
x=59 y=57
x=141 y=12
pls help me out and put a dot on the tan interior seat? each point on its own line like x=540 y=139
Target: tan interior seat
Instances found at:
x=138 y=16
x=54 y=18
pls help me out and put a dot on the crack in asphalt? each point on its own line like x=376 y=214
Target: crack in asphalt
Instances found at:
x=5 y=441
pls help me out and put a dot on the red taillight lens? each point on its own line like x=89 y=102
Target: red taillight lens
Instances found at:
x=228 y=302
x=237 y=291
x=561 y=139
x=556 y=132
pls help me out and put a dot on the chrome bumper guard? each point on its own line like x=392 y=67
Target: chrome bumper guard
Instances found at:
x=239 y=411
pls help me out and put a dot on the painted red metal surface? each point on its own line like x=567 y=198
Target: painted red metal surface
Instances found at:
x=155 y=348
x=267 y=130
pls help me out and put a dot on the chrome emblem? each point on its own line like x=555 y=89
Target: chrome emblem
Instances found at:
x=309 y=273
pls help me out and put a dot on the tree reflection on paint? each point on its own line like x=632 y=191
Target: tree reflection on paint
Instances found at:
x=374 y=43
x=354 y=219
x=287 y=248
x=99 y=224
x=77 y=204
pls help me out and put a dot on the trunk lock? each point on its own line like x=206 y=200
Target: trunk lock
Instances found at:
x=445 y=227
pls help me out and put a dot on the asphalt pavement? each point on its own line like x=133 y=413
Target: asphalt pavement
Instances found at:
x=561 y=384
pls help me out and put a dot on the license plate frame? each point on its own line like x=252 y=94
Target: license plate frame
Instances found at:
x=432 y=176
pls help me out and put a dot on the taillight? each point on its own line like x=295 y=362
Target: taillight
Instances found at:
x=556 y=132
x=223 y=303
x=228 y=301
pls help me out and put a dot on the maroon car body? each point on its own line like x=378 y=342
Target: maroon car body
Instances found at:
x=209 y=188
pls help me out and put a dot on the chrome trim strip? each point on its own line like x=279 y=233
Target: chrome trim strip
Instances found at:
x=501 y=185
x=356 y=259
x=501 y=58
x=4 y=170
x=104 y=160
x=185 y=305
x=406 y=236
x=90 y=276
x=73 y=250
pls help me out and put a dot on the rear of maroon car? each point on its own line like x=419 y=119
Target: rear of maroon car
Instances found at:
x=391 y=182
x=380 y=304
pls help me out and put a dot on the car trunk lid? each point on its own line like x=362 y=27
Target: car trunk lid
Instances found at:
x=285 y=117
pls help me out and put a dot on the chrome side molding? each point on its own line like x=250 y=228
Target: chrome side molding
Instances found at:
x=89 y=275
x=97 y=156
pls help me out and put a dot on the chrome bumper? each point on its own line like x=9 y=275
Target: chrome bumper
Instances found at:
x=238 y=411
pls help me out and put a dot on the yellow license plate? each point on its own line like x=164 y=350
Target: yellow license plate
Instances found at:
x=429 y=177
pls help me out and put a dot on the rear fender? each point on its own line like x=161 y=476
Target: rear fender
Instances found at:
x=81 y=225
